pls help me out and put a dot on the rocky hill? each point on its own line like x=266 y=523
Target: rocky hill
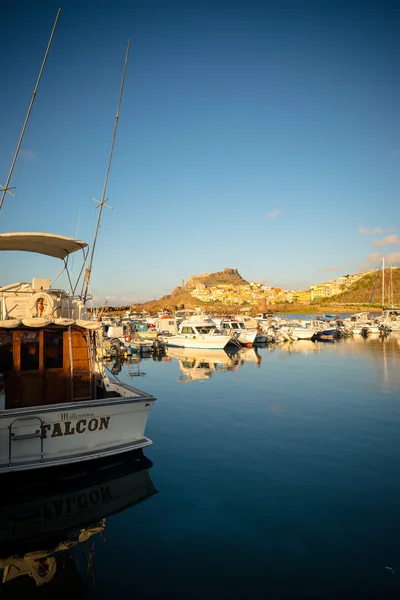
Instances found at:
x=181 y=296
x=228 y=277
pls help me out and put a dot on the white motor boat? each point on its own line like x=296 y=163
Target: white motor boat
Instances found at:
x=198 y=331
x=58 y=404
x=300 y=332
x=238 y=331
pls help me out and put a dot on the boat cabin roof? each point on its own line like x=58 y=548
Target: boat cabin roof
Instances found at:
x=57 y=246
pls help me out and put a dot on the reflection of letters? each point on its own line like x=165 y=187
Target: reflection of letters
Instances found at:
x=69 y=504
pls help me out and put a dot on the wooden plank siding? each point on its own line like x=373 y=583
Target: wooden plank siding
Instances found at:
x=82 y=379
x=49 y=385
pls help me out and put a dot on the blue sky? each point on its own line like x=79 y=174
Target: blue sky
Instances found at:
x=258 y=136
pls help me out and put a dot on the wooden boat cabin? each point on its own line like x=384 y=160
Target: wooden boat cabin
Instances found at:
x=44 y=361
x=47 y=343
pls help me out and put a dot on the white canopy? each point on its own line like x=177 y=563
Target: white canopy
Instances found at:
x=58 y=246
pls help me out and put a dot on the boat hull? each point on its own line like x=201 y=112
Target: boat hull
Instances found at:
x=301 y=333
x=61 y=434
x=326 y=334
x=211 y=342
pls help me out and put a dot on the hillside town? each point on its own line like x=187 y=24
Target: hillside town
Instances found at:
x=253 y=293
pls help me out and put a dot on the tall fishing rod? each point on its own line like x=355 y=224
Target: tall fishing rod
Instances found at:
x=102 y=202
x=6 y=189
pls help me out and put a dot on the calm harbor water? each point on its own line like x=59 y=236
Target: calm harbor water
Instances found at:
x=275 y=474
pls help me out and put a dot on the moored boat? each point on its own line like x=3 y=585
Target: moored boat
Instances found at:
x=237 y=329
x=199 y=331
x=58 y=404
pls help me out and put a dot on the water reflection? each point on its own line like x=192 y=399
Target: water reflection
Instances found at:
x=49 y=527
x=200 y=364
x=302 y=346
x=203 y=364
x=132 y=363
x=383 y=351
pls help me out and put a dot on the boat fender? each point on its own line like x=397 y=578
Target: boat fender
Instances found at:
x=127 y=337
x=40 y=304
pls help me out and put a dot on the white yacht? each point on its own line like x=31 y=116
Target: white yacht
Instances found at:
x=198 y=331
x=58 y=403
x=245 y=337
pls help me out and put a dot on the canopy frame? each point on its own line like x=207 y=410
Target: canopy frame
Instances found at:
x=47 y=244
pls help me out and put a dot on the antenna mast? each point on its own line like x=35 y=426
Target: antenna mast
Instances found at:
x=6 y=189
x=88 y=270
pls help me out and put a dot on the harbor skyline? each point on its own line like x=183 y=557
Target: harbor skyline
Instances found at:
x=264 y=137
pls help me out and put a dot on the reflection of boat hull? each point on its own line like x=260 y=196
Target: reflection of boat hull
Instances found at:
x=70 y=498
x=198 y=364
x=302 y=346
x=248 y=355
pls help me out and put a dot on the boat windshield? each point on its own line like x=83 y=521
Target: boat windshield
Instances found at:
x=204 y=329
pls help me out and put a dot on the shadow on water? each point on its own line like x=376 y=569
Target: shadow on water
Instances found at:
x=50 y=523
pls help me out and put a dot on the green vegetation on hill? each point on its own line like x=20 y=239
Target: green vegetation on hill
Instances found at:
x=361 y=291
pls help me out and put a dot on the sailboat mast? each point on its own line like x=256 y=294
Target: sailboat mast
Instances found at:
x=391 y=286
x=383 y=283
x=103 y=196
x=6 y=188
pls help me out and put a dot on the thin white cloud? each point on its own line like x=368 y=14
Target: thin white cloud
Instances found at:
x=387 y=241
x=374 y=260
x=375 y=231
x=274 y=213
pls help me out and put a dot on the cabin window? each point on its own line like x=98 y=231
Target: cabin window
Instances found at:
x=6 y=351
x=53 y=349
x=187 y=330
x=29 y=350
x=204 y=330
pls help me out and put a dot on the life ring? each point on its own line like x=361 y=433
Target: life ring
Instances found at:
x=127 y=337
x=41 y=304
